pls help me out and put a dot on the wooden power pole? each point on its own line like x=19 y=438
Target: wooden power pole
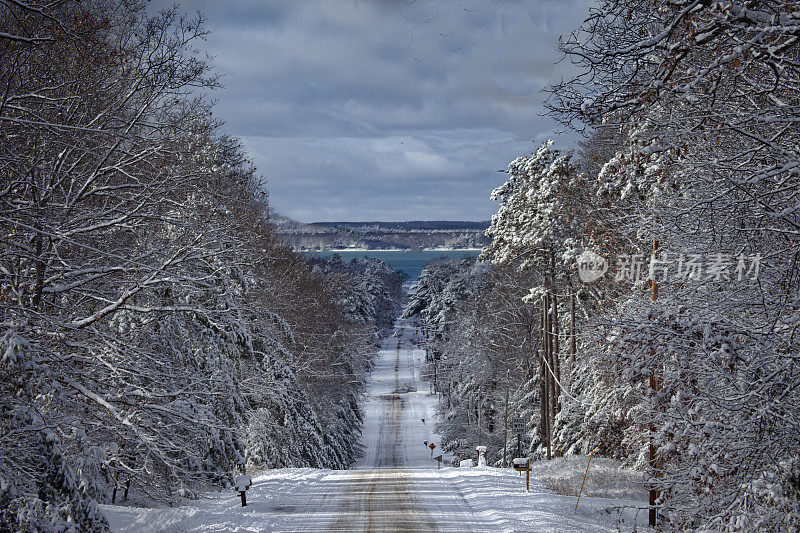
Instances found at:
x=654 y=386
x=505 y=425
x=544 y=381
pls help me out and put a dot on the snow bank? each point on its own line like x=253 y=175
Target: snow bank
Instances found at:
x=499 y=496
x=271 y=502
x=606 y=477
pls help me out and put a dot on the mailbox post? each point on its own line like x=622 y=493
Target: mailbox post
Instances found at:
x=242 y=483
x=481 y=455
x=523 y=464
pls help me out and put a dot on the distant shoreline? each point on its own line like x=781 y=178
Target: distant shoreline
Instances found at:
x=359 y=250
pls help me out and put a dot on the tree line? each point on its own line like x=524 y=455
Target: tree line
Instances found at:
x=155 y=336
x=681 y=358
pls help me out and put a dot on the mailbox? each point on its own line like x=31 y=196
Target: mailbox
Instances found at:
x=242 y=483
x=481 y=455
x=521 y=464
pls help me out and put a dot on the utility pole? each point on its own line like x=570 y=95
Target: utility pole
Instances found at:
x=505 y=426
x=553 y=349
x=572 y=347
x=654 y=387
x=556 y=364
x=544 y=382
x=556 y=337
x=551 y=385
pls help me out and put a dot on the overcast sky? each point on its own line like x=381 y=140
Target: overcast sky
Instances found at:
x=386 y=110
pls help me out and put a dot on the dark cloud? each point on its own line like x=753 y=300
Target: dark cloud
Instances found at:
x=393 y=110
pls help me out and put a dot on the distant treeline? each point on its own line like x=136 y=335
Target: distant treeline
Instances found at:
x=382 y=235
x=413 y=225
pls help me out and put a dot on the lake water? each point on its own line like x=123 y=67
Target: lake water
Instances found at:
x=411 y=262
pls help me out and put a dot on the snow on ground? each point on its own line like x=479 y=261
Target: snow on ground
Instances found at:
x=606 y=477
x=399 y=411
x=396 y=485
x=273 y=500
x=499 y=495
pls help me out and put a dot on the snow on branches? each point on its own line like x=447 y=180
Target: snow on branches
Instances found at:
x=150 y=336
x=702 y=100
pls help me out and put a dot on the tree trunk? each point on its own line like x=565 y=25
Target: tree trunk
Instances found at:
x=480 y=413
x=39 y=284
x=449 y=392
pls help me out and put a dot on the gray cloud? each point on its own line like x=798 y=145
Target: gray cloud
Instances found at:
x=390 y=110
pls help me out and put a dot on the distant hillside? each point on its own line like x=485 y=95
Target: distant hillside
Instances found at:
x=414 y=225
x=381 y=235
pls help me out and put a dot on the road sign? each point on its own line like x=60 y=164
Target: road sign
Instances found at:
x=432 y=446
x=518 y=425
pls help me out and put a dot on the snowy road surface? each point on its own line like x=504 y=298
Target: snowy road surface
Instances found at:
x=394 y=487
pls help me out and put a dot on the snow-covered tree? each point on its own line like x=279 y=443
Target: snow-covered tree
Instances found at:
x=155 y=337
x=534 y=231
x=704 y=96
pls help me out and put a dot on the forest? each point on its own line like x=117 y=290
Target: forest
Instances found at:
x=637 y=297
x=157 y=338
x=642 y=296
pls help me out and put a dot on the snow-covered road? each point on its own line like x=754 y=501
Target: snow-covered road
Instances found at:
x=399 y=410
x=393 y=487
x=396 y=485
